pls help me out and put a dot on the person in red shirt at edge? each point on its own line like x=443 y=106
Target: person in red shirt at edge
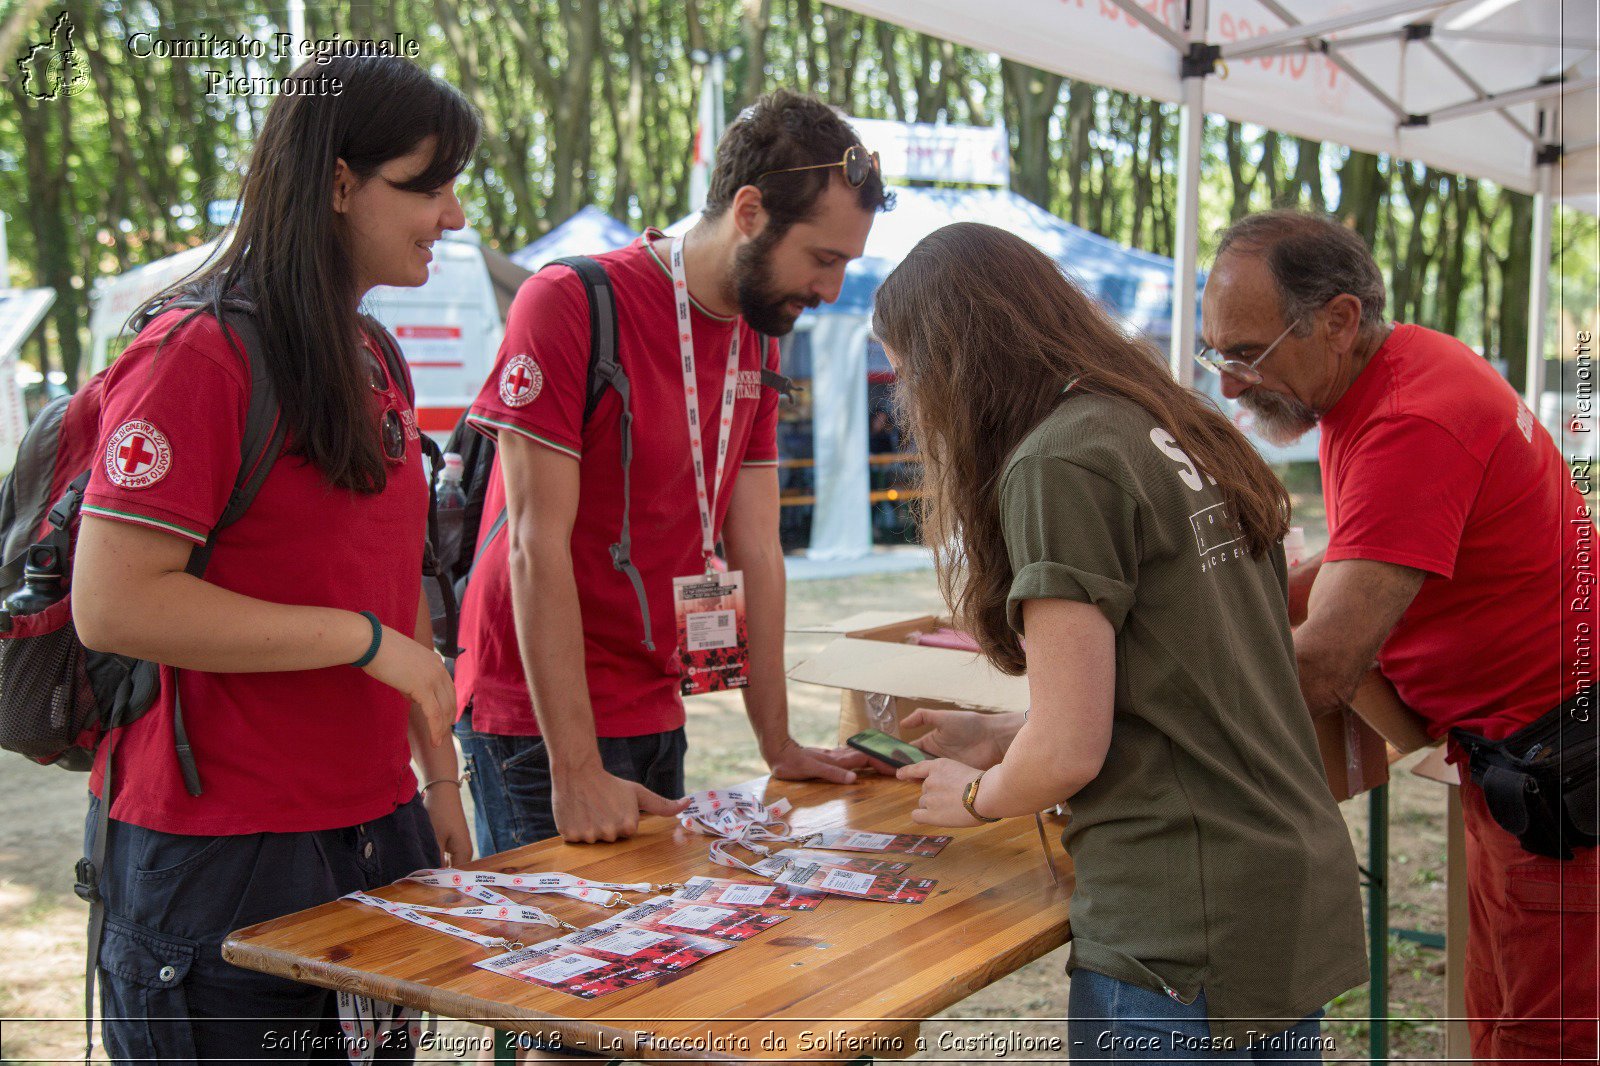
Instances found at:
x=1456 y=559
x=304 y=658
x=546 y=614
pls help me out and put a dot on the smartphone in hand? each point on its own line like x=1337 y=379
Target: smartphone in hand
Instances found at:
x=886 y=749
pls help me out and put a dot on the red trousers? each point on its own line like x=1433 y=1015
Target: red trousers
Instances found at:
x=1532 y=958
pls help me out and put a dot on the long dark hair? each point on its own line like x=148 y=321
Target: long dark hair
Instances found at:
x=987 y=331
x=287 y=256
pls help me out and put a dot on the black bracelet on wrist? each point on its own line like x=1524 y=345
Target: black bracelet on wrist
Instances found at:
x=377 y=639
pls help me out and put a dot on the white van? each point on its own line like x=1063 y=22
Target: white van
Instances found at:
x=448 y=328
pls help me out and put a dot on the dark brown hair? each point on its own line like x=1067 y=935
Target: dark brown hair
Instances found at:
x=786 y=129
x=288 y=258
x=986 y=332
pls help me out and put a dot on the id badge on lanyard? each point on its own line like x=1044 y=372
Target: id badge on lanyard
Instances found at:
x=713 y=652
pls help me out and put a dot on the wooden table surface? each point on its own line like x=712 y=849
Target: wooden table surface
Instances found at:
x=858 y=976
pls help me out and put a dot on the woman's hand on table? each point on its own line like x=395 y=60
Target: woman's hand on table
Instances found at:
x=442 y=801
x=944 y=786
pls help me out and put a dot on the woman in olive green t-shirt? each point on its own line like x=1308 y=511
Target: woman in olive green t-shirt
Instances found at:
x=1077 y=493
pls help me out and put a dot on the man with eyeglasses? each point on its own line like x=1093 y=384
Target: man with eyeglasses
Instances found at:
x=572 y=717
x=1459 y=558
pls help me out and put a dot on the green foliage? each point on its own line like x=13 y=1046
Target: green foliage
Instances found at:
x=593 y=101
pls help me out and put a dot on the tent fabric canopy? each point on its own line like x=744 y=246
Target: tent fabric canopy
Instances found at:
x=1134 y=285
x=589 y=231
x=1357 y=83
x=1503 y=90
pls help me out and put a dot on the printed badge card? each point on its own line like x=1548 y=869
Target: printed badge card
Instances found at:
x=725 y=893
x=768 y=866
x=555 y=965
x=646 y=948
x=897 y=843
x=713 y=647
x=841 y=882
x=666 y=915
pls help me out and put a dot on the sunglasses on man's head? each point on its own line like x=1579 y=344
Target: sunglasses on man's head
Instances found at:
x=858 y=163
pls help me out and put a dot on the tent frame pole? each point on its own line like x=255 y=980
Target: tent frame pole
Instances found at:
x=1539 y=285
x=1306 y=32
x=1186 y=236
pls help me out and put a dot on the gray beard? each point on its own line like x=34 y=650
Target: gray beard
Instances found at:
x=1280 y=419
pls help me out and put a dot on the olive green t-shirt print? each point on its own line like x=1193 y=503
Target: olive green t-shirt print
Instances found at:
x=1209 y=851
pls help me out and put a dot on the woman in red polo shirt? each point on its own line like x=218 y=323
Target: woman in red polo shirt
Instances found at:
x=306 y=678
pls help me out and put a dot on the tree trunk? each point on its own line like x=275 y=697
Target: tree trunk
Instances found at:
x=1233 y=141
x=1516 y=276
x=1080 y=113
x=757 y=19
x=1308 y=174
x=1362 y=190
x=1030 y=100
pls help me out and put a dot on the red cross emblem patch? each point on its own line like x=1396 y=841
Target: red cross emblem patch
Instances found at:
x=520 y=381
x=137 y=455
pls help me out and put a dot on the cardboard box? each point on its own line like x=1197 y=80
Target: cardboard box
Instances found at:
x=1354 y=756
x=1377 y=702
x=882 y=679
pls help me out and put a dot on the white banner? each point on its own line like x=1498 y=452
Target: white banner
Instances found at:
x=975 y=155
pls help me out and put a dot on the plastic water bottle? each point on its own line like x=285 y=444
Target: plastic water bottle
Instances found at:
x=450 y=508
x=451 y=495
x=43 y=583
x=1294 y=547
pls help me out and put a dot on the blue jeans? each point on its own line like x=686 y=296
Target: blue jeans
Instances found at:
x=512 y=791
x=166 y=993
x=1113 y=1021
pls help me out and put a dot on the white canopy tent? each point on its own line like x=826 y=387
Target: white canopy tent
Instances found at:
x=1503 y=90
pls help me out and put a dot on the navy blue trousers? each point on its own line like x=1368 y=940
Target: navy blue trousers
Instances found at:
x=166 y=993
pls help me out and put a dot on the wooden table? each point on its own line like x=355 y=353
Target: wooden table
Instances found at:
x=858 y=976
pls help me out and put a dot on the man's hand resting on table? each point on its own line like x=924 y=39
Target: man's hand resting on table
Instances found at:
x=795 y=762
x=593 y=805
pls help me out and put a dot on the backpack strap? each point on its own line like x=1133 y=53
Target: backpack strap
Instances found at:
x=771 y=379
x=784 y=387
x=605 y=370
x=432 y=567
x=261 y=442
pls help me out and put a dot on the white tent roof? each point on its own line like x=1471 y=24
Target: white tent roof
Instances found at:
x=1357 y=81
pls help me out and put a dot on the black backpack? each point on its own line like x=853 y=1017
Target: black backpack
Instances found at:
x=59 y=700
x=459 y=554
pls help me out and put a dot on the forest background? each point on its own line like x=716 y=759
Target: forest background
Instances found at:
x=594 y=102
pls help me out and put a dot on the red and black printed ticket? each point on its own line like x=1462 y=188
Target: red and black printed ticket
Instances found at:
x=844 y=862
x=647 y=948
x=721 y=892
x=856 y=840
x=838 y=881
x=557 y=966
x=667 y=915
